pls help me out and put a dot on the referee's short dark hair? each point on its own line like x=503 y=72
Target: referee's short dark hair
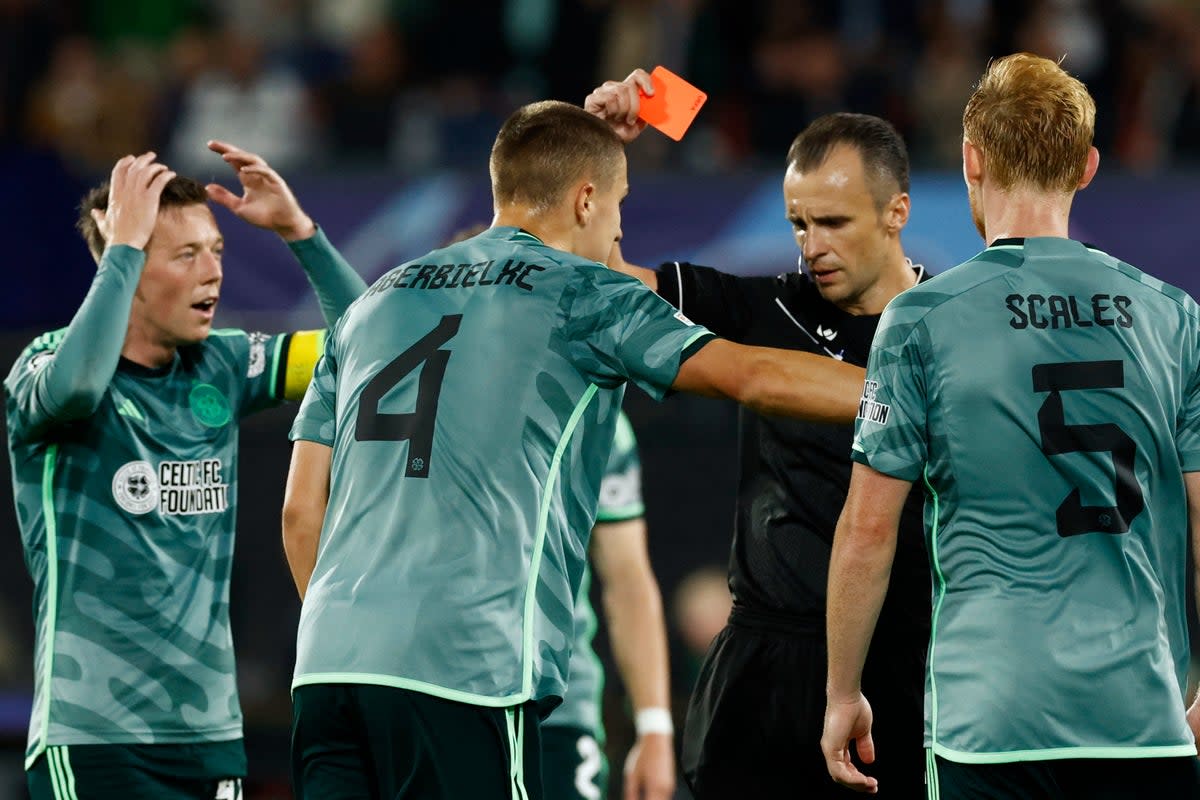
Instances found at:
x=878 y=142
x=178 y=192
x=545 y=147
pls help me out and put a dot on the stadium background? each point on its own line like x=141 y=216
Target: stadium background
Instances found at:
x=380 y=113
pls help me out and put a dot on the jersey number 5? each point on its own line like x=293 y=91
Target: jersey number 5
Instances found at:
x=415 y=427
x=1058 y=437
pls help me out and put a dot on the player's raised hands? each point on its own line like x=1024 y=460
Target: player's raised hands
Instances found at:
x=848 y=721
x=266 y=200
x=134 y=189
x=617 y=103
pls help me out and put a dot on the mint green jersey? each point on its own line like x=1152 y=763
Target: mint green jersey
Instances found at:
x=620 y=501
x=127 y=520
x=1048 y=395
x=471 y=398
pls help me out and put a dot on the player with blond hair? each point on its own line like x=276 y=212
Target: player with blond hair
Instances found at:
x=1047 y=397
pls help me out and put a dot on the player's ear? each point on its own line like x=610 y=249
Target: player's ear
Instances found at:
x=972 y=164
x=1089 y=171
x=585 y=202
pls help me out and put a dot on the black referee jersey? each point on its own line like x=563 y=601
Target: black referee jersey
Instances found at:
x=794 y=475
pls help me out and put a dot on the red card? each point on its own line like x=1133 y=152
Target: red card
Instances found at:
x=674 y=105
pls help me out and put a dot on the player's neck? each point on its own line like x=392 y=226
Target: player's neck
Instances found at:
x=1025 y=214
x=540 y=223
x=146 y=350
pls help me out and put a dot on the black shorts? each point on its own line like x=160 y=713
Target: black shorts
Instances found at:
x=357 y=741
x=573 y=764
x=755 y=717
x=139 y=772
x=1067 y=779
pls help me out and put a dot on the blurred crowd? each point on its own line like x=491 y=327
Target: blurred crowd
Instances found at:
x=413 y=85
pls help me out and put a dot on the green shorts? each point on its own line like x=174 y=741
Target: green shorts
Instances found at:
x=358 y=741
x=573 y=764
x=209 y=771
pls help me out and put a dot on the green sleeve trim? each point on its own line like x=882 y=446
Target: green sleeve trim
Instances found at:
x=51 y=522
x=371 y=679
x=623 y=514
x=940 y=581
x=277 y=365
x=1057 y=753
x=693 y=345
x=540 y=540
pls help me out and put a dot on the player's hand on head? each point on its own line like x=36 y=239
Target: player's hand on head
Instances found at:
x=266 y=200
x=650 y=768
x=847 y=721
x=134 y=190
x=618 y=102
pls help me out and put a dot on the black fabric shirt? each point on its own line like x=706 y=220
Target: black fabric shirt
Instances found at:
x=794 y=475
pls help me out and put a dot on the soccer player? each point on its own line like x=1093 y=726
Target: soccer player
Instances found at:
x=122 y=431
x=447 y=464
x=1048 y=397
x=573 y=766
x=754 y=721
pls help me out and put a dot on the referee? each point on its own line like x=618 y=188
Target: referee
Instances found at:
x=754 y=721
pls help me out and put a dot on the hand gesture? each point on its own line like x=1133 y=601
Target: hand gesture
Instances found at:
x=266 y=200
x=618 y=103
x=134 y=189
x=846 y=721
x=650 y=769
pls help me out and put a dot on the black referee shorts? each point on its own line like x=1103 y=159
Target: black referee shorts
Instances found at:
x=754 y=721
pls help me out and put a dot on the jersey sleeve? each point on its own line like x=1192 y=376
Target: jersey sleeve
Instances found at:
x=333 y=280
x=316 y=420
x=721 y=302
x=617 y=330
x=1187 y=429
x=278 y=367
x=64 y=375
x=621 y=486
x=890 y=433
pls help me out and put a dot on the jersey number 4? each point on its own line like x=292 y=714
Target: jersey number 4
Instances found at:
x=415 y=427
x=1058 y=437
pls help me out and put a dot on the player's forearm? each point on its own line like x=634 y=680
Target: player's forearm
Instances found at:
x=74 y=382
x=859 y=569
x=637 y=634
x=801 y=385
x=301 y=535
x=335 y=282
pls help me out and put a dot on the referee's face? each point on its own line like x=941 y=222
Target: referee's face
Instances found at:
x=842 y=233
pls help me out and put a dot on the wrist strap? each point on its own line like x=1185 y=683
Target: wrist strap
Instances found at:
x=653 y=720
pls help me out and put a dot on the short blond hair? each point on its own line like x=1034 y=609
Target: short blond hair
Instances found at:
x=1033 y=122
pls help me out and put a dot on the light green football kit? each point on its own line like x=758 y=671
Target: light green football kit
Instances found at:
x=1048 y=397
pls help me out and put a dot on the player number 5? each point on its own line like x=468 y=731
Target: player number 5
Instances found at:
x=1058 y=437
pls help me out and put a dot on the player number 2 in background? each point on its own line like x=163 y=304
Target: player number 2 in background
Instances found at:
x=415 y=427
x=1058 y=437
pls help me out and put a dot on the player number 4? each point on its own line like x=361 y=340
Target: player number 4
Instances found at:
x=416 y=426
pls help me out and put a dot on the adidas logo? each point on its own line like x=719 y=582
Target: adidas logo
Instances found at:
x=128 y=409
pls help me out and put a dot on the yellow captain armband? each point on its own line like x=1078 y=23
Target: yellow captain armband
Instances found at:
x=301 y=350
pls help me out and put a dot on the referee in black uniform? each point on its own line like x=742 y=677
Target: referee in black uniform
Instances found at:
x=754 y=721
